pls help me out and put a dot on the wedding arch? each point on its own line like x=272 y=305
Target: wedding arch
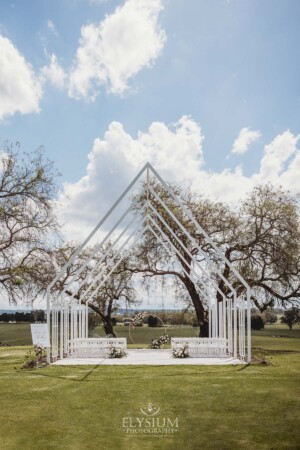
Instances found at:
x=229 y=319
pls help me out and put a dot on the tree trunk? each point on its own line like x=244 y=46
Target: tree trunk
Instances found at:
x=108 y=326
x=199 y=308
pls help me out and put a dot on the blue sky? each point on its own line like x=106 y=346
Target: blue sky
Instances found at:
x=207 y=90
x=228 y=64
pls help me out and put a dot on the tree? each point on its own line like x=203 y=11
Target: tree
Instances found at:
x=39 y=315
x=27 y=220
x=260 y=238
x=93 y=321
x=102 y=299
x=266 y=247
x=291 y=317
x=269 y=317
x=152 y=321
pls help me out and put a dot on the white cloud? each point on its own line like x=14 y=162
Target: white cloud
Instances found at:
x=244 y=139
x=98 y=2
x=54 y=73
x=52 y=27
x=20 y=88
x=116 y=49
x=177 y=153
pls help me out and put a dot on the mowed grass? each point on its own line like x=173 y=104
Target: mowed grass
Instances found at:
x=218 y=407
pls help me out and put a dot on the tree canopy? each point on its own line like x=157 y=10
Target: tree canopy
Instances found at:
x=27 y=220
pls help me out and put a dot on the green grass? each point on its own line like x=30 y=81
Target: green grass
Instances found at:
x=218 y=407
x=15 y=333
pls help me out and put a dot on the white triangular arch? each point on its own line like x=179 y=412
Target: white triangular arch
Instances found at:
x=221 y=319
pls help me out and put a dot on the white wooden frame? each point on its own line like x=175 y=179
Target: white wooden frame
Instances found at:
x=227 y=319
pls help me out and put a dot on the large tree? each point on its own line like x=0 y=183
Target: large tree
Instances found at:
x=266 y=248
x=27 y=221
x=103 y=299
x=260 y=238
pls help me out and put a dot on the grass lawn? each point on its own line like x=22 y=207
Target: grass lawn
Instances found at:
x=230 y=407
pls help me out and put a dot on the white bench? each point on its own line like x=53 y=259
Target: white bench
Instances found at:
x=202 y=347
x=95 y=347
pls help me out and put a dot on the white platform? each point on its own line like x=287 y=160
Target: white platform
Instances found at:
x=147 y=357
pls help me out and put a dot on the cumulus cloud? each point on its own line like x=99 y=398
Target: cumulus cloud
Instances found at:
x=245 y=137
x=54 y=73
x=20 y=88
x=176 y=151
x=112 y=52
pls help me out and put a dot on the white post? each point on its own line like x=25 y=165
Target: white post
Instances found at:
x=48 y=324
x=248 y=326
x=87 y=320
x=61 y=328
x=234 y=327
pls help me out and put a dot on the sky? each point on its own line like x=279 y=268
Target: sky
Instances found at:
x=208 y=91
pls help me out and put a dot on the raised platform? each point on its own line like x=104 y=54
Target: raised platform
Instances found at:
x=147 y=357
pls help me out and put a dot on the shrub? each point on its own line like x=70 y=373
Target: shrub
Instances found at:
x=269 y=317
x=152 y=321
x=257 y=322
x=35 y=359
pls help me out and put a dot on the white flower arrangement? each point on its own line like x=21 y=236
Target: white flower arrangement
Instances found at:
x=181 y=352
x=116 y=352
x=157 y=343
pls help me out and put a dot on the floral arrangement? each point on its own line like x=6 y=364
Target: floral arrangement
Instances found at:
x=138 y=319
x=116 y=352
x=181 y=352
x=158 y=343
x=36 y=358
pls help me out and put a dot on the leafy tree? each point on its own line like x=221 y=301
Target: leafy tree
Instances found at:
x=39 y=315
x=93 y=321
x=260 y=238
x=257 y=322
x=269 y=317
x=27 y=220
x=102 y=299
x=266 y=247
x=291 y=317
x=152 y=321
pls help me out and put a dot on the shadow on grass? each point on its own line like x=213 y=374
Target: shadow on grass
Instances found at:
x=59 y=377
x=130 y=377
x=280 y=352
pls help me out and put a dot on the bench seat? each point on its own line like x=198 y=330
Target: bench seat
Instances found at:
x=95 y=347
x=202 y=347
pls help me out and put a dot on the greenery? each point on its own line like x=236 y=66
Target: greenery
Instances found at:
x=160 y=342
x=153 y=321
x=27 y=221
x=35 y=358
x=37 y=315
x=218 y=407
x=269 y=317
x=257 y=322
x=181 y=352
x=291 y=317
x=117 y=352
